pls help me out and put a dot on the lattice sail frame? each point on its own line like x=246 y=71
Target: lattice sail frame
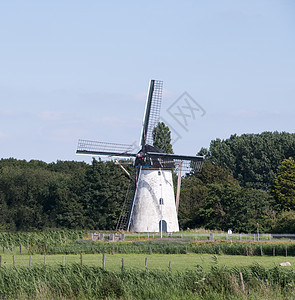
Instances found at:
x=153 y=159
x=105 y=149
x=150 y=121
x=187 y=164
x=152 y=112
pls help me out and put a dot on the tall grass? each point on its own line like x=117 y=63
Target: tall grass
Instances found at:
x=36 y=242
x=76 y=281
x=159 y=247
x=71 y=242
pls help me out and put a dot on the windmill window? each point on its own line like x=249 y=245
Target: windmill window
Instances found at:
x=161 y=201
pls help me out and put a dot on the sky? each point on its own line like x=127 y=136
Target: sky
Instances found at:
x=74 y=70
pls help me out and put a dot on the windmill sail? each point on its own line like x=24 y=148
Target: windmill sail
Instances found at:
x=104 y=149
x=150 y=200
x=171 y=161
x=152 y=112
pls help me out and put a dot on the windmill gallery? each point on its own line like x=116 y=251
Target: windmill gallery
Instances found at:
x=150 y=205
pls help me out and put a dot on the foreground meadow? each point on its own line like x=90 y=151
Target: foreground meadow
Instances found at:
x=177 y=262
x=76 y=281
x=67 y=265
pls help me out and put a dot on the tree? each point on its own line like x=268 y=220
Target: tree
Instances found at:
x=195 y=190
x=285 y=222
x=214 y=199
x=284 y=184
x=162 y=138
x=35 y=195
x=253 y=158
x=104 y=194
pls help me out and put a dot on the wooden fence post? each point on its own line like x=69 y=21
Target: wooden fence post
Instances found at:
x=81 y=259
x=274 y=251
x=30 y=261
x=64 y=260
x=261 y=251
x=44 y=260
x=20 y=249
x=242 y=282
x=146 y=263
x=103 y=261
x=286 y=251
x=122 y=264
x=13 y=260
x=170 y=266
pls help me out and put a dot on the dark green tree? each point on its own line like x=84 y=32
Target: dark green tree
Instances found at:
x=284 y=184
x=285 y=222
x=214 y=199
x=35 y=195
x=253 y=158
x=162 y=138
x=104 y=194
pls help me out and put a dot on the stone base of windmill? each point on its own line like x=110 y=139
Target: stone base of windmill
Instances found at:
x=154 y=207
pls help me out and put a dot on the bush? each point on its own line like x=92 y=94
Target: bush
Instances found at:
x=285 y=222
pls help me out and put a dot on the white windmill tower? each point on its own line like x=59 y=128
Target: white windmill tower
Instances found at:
x=150 y=205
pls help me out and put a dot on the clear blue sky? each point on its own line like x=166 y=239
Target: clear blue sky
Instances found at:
x=80 y=69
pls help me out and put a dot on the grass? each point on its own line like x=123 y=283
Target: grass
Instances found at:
x=74 y=281
x=179 y=262
x=200 y=235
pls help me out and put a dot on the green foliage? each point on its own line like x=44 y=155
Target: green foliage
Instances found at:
x=162 y=138
x=284 y=184
x=38 y=242
x=85 y=282
x=253 y=158
x=35 y=195
x=214 y=199
x=285 y=222
x=232 y=190
x=104 y=193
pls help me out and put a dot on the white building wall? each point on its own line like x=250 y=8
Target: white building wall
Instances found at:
x=147 y=212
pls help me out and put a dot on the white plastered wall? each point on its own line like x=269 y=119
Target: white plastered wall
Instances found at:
x=148 y=212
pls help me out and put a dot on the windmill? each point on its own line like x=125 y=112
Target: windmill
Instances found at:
x=150 y=204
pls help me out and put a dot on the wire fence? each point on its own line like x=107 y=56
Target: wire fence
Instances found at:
x=213 y=236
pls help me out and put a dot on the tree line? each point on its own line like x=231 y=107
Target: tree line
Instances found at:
x=246 y=181
x=35 y=195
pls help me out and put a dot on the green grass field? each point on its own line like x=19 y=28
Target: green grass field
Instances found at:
x=179 y=262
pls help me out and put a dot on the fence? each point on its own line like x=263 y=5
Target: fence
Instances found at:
x=213 y=236
x=25 y=260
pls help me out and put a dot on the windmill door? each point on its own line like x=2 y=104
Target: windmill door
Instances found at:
x=164 y=226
